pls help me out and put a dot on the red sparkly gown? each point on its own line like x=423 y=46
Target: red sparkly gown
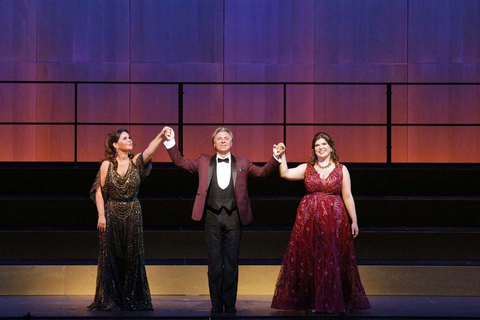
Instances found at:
x=319 y=270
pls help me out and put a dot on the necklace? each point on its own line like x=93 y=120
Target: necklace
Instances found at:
x=324 y=167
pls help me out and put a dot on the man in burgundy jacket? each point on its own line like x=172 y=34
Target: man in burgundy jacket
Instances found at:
x=222 y=196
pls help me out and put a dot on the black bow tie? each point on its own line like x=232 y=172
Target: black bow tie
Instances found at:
x=226 y=160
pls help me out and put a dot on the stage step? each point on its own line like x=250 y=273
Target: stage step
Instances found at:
x=258 y=280
x=80 y=212
x=372 y=179
x=374 y=245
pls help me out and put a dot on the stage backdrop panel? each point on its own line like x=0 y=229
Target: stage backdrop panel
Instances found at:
x=19 y=142
x=18 y=30
x=444 y=104
x=55 y=143
x=104 y=103
x=203 y=104
x=91 y=139
x=17 y=102
x=172 y=31
x=268 y=41
x=94 y=31
x=444 y=31
x=351 y=31
x=241 y=40
x=299 y=143
x=154 y=103
x=177 y=41
x=444 y=144
x=254 y=142
x=353 y=144
x=55 y=102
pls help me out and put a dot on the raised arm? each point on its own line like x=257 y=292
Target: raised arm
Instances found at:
x=269 y=167
x=190 y=165
x=148 y=153
x=99 y=201
x=348 y=200
x=294 y=174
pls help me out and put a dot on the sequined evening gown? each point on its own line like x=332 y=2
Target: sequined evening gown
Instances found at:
x=121 y=278
x=319 y=270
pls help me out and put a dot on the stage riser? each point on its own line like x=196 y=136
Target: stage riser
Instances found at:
x=367 y=180
x=256 y=245
x=253 y=280
x=268 y=212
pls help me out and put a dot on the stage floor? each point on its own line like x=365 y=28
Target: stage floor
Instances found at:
x=252 y=307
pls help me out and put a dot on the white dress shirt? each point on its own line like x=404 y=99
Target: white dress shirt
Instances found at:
x=224 y=171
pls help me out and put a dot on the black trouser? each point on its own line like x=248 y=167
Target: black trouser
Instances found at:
x=223 y=233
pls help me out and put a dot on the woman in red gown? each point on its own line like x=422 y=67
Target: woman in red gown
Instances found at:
x=319 y=270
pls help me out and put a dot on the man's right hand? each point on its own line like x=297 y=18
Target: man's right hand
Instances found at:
x=169 y=134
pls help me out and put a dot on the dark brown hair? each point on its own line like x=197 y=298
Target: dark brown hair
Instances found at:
x=110 y=152
x=333 y=154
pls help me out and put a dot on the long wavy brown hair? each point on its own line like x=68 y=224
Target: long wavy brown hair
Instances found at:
x=331 y=143
x=110 y=152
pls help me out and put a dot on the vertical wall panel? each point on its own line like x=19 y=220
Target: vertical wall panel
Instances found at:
x=202 y=103
x=83 y=71
x=17 y=30
x=358 y=144
x=299 y=143
x=300 y=103
x=55 y=143
x=171 y=31
x=353 y=144
x=103 y=103
x=17 y=102
x=357 y=104
x=154 y=103
x=360 y=41
x=19 y=142
x=400 y=144
x=444 y=144
x=251 y=41
x=254 y=103
x=269 y=32
x=444 y=104
x=83 y=40
x=179 y=41
x=351 y=31
x=268 y=41
x=55 y=102
x=91 y=141
x=444 y=31
x=198 y=140
x=17 y=62
x=93 y=31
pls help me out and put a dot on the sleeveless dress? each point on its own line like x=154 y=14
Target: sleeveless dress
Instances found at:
x=319 y=270
x=121 y=277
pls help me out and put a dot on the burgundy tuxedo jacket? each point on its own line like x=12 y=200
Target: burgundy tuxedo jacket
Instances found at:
x=242 y=169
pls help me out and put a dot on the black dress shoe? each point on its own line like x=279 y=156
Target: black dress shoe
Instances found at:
x=230 y=309
x=216 y=310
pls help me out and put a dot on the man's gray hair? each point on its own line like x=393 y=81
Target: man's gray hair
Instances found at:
x=221 y=129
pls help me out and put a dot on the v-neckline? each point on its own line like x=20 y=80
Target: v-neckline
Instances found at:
x=126 y=172
x=328 y=176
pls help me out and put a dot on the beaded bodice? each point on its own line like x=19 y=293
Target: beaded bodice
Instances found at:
x=330 y=185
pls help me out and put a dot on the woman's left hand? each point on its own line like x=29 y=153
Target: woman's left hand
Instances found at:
x=354 y=230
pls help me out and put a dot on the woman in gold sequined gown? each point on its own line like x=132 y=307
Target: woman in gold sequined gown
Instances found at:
x=121 y=277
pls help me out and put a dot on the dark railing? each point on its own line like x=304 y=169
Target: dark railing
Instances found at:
x=388 y=105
